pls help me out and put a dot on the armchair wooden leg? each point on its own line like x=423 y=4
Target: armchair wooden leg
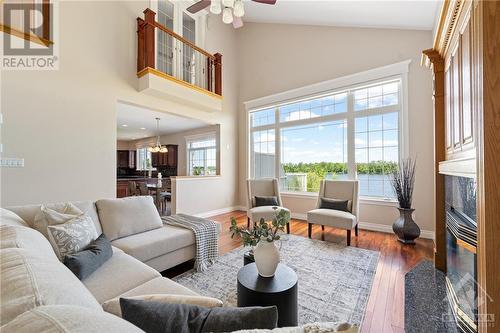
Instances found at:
x=309 y=229
x=248 y=223
x=348 y=237
x=288 y=228
x=356 y=230
x=322 y=228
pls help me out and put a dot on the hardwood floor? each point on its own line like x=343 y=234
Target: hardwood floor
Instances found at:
x=385 y=308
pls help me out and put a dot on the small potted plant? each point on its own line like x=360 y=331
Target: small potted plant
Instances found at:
x=403 y=180
x=262 y=238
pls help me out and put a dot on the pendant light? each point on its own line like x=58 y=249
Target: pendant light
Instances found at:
x=227 y=16
x=238 y=9
x=215 y=7
x=158 y=148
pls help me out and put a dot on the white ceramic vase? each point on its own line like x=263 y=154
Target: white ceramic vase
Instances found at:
x=266 y=257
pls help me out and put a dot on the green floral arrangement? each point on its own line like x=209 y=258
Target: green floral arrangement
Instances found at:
x=262 y=230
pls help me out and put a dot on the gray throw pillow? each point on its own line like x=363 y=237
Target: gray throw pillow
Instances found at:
x=335 y=204
x=157 y=317
x=266 y=201
x=85 y=262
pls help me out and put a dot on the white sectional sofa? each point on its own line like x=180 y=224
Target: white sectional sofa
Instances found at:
x=36 y=285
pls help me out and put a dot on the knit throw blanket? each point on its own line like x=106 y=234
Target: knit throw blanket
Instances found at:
x=206 y=235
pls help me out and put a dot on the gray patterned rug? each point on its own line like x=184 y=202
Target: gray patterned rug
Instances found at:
x=334 y=280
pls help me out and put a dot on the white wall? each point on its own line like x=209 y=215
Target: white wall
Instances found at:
x=279 y=57
x=63 y=123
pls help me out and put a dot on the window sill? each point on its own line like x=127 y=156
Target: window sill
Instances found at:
x=363 y=200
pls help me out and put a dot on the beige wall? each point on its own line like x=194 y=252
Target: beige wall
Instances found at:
x=63 y=123
x=278 y=58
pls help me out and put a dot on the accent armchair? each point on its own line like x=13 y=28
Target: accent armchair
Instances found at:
x=339 y=190
x=265 y=187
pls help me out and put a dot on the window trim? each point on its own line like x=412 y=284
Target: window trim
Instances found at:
x=197 y=137
x=354 y=81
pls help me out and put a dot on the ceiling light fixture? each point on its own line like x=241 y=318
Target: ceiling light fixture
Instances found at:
x=227 y=16
x=239 y=9
x=124 y=125
x=215 y=7
x=158 y=148
x=143 y=128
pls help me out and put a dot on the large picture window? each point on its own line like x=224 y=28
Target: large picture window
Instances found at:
x=349 y=133
x=202 y=155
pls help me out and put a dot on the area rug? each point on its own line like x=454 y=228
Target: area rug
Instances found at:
x=334 y=280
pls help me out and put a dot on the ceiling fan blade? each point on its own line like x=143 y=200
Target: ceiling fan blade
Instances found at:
x=200 y=5
x=267 y=2
x=237 y=22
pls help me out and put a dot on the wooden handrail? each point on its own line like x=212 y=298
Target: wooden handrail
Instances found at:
x=183 y=40
x=146 y=56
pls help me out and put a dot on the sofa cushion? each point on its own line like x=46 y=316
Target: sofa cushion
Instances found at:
x=73 y=236
x=29 y=280
x=333 y=218
x=29 y=212
x=265 y=212
x=156 y=242
x=86 y=262
x=68 y=319
x=159 y=285
x=118 y=275
x=127 y=216
x=113 y=306
x=25 y=238
x=8 y=217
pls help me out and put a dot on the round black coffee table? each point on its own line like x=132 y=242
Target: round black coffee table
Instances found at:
x=280 y=290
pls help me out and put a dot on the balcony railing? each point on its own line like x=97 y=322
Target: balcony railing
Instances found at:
x=161 y=49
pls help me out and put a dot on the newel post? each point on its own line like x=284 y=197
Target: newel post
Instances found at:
x=149 y=38
x=218 y=73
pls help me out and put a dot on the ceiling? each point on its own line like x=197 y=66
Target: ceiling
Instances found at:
x=135 y=123
x=396 y=14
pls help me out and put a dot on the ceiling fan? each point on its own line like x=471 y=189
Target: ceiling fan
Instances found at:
x=232 y=10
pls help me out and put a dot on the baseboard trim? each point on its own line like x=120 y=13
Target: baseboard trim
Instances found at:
x=220 y=211
x=427 y=234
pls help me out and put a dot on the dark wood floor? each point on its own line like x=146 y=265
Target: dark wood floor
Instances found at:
x=385 y=309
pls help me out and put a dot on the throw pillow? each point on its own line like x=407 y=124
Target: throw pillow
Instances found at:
x=156 y=317
x=266 y=201
x=113 y=305
x=72 y=236
x=86 y=262
x=335 y=204
x=57 y=214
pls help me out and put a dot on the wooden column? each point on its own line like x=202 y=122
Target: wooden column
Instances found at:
x=141 y=52
x=149 y=38
x=487 y=13
x=439 y=155
x=218 y=73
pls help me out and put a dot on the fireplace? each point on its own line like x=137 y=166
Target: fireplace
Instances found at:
x=461 y=243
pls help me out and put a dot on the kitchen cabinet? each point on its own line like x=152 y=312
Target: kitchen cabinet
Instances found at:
x=122 y=158
x=459 y=94
x=165 y=159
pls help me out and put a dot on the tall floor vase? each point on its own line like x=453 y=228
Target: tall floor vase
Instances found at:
x=405 y=228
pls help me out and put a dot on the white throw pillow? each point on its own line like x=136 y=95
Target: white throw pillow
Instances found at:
x=127 y=216
x=113 y=305
x=73 y=236
x=56 y=214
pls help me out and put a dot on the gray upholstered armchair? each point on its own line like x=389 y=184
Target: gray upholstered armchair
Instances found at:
x=265 y=187
x=339 y=190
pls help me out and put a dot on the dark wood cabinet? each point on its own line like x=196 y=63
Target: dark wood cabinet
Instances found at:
x=165 y=159
x=122 y=158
